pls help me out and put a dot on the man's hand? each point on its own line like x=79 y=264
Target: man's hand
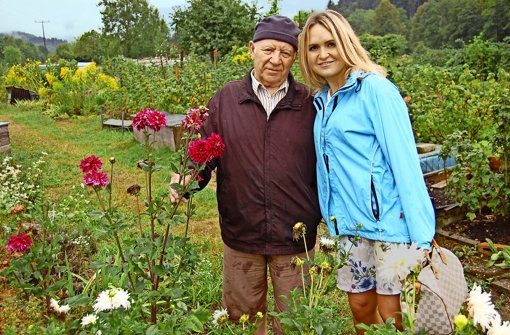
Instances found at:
x=174 y=195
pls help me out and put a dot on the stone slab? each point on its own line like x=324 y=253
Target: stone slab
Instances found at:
x=440 y=185
x=118 y=123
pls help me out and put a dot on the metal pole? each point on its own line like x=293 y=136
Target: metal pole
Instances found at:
x=42 y=22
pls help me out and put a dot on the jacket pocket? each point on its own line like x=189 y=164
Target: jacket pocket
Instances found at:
x=374 y=201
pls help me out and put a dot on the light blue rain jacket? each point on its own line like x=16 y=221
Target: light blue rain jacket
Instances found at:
x=368 y=170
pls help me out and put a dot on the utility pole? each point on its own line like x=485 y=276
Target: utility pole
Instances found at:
x=42 y=22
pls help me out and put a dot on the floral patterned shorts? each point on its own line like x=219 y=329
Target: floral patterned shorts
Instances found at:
x=363 y=258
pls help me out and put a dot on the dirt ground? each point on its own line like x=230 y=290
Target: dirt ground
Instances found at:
x=496 y=228
x=494 y=279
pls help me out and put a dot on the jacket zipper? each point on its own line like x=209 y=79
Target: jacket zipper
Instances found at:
x=326 y=161
x=375 y=211
x=373 y=194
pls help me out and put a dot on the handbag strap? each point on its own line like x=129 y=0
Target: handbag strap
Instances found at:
x=432 y=267
x=439 y=251
x=428 y=255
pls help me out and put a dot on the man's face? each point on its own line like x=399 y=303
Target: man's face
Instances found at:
x=272 y=60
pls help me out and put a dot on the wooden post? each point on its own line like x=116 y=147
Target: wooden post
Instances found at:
x=215 y=56
x=101 y=113
x=122 y=120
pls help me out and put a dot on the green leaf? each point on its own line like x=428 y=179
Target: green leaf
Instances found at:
x=192 y=323
x=78 y=300
x=95 y=214
x=153 y=330
x=159 y=270
x=471 y=216
x=70 y=286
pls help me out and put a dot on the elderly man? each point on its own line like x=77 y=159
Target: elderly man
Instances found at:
x=266 y=176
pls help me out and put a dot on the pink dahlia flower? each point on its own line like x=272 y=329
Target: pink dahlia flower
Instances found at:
x=150 y=118
x=96 y=179
x=195 y=117
x=91 y=163
x=197 y=151
x=203 y=151
x=215 y=146
x=19 y=243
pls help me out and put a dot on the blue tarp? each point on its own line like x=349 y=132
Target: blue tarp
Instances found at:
x=431 y=161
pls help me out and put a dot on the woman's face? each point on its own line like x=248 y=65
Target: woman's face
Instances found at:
x=323 y=56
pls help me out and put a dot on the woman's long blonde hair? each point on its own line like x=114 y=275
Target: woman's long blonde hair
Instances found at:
x=347 y=43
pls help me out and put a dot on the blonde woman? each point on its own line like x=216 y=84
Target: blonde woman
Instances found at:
x=369 y=177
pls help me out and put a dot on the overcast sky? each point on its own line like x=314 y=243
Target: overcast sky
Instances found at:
x=69 y=19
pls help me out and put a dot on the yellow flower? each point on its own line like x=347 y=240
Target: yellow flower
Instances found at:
x=325 y=266
x=13 y=77
x=78 y=76
x=109 y=81
x=42 y=92
x=299 y=230
x=460 y=321
x=244 y=318
x=64 y=72
x=50 y=78
x=91 y=68
x=296 y=261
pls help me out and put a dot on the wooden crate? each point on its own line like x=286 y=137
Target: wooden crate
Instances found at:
x=5 y=144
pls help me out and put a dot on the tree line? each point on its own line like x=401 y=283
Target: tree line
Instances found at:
x=134 y=28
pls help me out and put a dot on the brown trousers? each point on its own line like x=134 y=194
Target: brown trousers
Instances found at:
x=245 y=284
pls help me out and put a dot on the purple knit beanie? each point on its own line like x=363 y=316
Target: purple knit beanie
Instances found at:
x=279 y=28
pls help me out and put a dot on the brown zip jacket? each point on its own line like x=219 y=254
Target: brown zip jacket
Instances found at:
x=266 y=178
